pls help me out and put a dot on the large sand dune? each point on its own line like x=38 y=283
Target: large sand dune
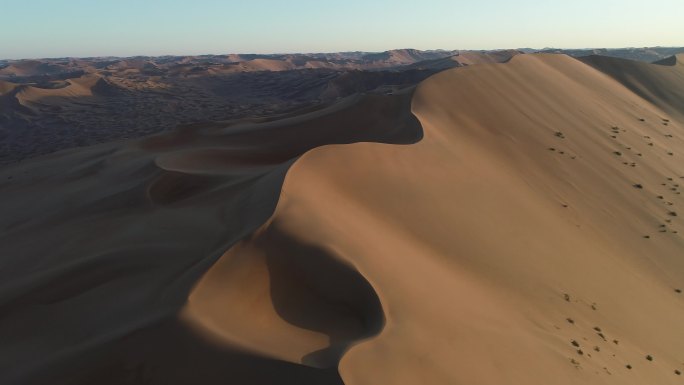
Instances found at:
x=103 y=242
x=528 y=233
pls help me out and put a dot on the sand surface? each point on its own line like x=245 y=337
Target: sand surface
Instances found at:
x=514 y=223
x=47 y=105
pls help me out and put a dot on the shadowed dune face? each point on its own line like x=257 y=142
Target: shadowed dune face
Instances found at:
x=286 y=299
x=171 y=353
x=47 y=113
x=126 y=229
x=356 y=118
x=661 y=83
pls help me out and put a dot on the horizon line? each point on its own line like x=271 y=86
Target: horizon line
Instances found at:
x=275 y=53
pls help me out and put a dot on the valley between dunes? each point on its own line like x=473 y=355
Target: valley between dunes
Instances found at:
x=506 y=223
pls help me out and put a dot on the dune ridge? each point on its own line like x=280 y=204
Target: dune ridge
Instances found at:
x=510 y=233
x=525 y=234
x=467 y=58
x=139 y=222
x=661 y=83
x=187 y=89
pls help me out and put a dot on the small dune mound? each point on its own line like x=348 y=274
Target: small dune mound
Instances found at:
x=467 y=58
x=372 y=117
x=173 y=187
x=31 y=68
x=65 y=91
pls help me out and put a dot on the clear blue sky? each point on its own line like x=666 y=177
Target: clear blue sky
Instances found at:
x=55 y=28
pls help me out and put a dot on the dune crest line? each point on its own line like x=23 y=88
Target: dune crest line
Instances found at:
x=140 y=222
x=532 y=236
x=529 y=234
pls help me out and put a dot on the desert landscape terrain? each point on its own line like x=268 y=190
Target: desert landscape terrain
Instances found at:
x=48 y=105
x=406 y=217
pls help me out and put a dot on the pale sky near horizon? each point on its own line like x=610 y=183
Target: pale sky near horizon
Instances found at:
x=59 y=28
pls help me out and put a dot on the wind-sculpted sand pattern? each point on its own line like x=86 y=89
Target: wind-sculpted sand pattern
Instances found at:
x=102 y=245
x=514 y=223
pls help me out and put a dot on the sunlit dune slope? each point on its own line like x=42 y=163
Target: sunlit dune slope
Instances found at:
x=532 y=237
x=661 y=83
x=506 y=223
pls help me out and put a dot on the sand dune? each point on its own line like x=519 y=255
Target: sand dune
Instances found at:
x=661 y=83
x=31 y=68
x=6 y=87
x=517 y=224
x=474 y=236
x=110 y=271
x=85 y=86
x=467 y=58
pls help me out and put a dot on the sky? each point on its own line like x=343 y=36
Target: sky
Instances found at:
x=79 y=28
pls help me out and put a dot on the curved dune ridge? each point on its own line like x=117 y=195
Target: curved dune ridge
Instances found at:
x=87 y=85
x=673 y=60
x=6 y=87
x=126 y=229
x=528 y=233
x=25 y=98
x=509 y=231
x=31 y=67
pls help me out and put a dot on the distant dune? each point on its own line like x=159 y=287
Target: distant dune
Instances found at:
x=514 y=201
x=467 y=58
x=500 y=223
x=645 y=54
x=187 y=89
x=99 y=284
x=31 y=68
x=70 y=102
x=661 y=83
x=85 y=86
x=6 y=87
